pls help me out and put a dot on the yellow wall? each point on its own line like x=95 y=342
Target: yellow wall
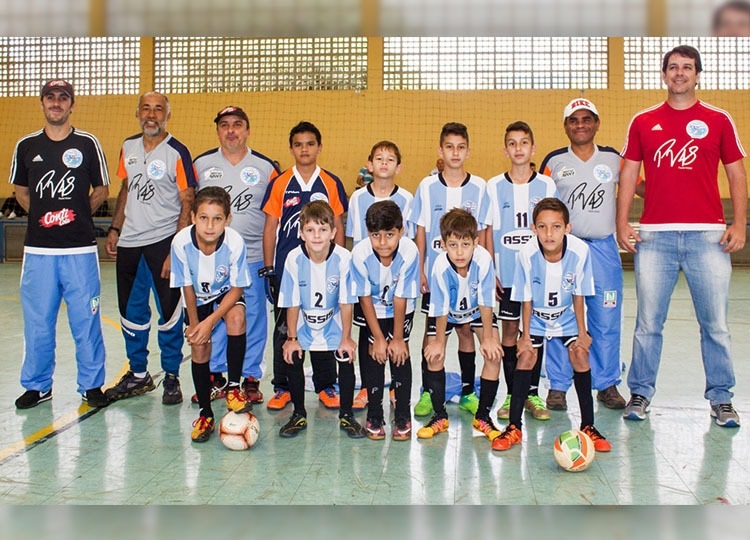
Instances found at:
x=352 y=121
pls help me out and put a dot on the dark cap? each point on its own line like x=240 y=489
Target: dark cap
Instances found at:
x=58 y=84
x=231 y=111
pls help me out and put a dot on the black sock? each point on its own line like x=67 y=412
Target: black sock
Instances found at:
x=424 y=370
x=536 y=372
x=510 y=359
x=202 y=382
x=582 y=382
x=468 y=369
x=401 y=384
x=434 y=383
x=487 y=392
x=346 y=388
x=521 y=379
x=235 y=358
x=296 y=378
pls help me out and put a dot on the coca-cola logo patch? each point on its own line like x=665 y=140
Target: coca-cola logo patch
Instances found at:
x=57 y=219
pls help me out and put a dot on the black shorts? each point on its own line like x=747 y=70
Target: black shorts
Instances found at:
x=426 y=303
x=358 y=317
x=431 y=325
x=386 y=326
x=538 y=341
x=509 y=310
x=206 y=309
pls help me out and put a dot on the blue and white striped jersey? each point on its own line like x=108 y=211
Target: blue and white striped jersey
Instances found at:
x=317 y=289
x=363 y=198
x=209 y=275
x=550 y=286
x=460 y=297
x=434 y=198
x=510 y=209
x=369 y=277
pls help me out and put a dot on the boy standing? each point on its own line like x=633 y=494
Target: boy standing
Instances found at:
x=314 y=291
x=385 y=277
x=436 y=194
x=552 y=276
x=384 y=162
x=209 y=265
x=512 y=197
x=286 y=196
x=462 y=289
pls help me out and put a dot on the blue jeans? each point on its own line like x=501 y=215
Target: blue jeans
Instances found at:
x=660 y=257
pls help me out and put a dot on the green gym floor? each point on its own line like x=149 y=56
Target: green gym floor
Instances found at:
x=138 y=451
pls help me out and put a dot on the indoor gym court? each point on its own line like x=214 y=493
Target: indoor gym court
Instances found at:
x=138 y=451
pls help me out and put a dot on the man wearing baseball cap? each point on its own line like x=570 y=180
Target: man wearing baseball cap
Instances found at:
x=586 y=176
x=245 y=175
x=60 y=177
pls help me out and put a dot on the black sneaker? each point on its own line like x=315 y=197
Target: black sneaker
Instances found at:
x=172 y=392
x=95 y=398
x=32 y=398
x=129 y=386
x=295 y=424
x=353 y=429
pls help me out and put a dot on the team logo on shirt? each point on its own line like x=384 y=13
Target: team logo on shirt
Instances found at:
x=568 y=281
x=156 y=169
x=72 y=158
x=603 y=173
x=222 y=272
x=332 y=284
x=95 y=303
x=474 y=289
x=318 y=197
x=697 y=129
x=470 y=206
x=214 y=173
x=250 y=176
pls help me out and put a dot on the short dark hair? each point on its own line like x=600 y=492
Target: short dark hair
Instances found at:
x=454 y=128
x=385 y=145
x=743 y=6
x=383 y=216
x=213 y=195
x=305 y=127
x=459 y=223
x=683 y=50
x=318 y=211
x=519 y=126
x=555 y=205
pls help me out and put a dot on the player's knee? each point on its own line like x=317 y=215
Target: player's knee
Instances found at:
x=526 y=360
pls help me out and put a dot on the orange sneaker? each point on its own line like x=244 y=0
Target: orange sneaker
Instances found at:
x=329 y=398
x=600 y=443
x=510 y=436
x=360 y=400
x=236 y=401
x=202 y=429
x=433 y=427
x=280 y=399
x=485 y=425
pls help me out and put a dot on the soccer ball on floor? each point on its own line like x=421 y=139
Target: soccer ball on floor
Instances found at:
x=574 y=450
x=239 y=431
